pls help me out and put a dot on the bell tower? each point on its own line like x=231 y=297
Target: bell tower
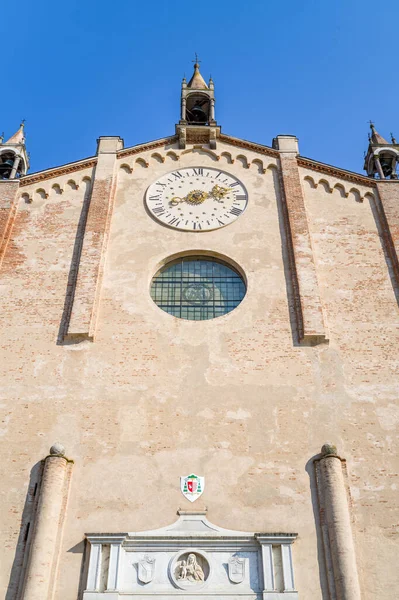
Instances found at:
x=197 y=117
x=382 y=158
x=14 y=161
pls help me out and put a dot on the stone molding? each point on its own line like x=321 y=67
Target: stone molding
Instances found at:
x=147 y=146
x=308 y=163
x=217 y=551
x=57 y=171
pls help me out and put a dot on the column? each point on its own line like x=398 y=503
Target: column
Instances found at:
x=308 y=309
x=336 y=515
x=41 y=569
x=15 y=166
x=378 y=165
x=82 y=322
x=212 y=109
x=183 y=109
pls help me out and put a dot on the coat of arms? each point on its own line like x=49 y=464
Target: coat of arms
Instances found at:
x=146 y=569
x=236 y=569
x=192 y=486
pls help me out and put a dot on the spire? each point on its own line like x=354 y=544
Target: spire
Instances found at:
x=14 y=160
x=197 y=82
x=197 y=122
x=376 y=138
x=382 y=158
x=19 y=136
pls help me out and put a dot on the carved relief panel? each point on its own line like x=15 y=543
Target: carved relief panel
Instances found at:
x=191 y=556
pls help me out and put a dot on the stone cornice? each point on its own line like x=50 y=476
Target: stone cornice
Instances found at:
x=57 y=171
x=146 y=147
x=90 y=162
x=248 y=145
x=308 y=163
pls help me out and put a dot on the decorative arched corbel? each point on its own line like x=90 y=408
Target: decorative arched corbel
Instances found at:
x=158 y=157
x=143 y=163
x=326 y=186
x=243 y=160
x=341 y=189
x=126 y=168
x=309 y=179
x=228 y=157
x=42 y=193
x=259 y=164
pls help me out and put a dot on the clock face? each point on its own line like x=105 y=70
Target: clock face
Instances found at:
x=197 y=199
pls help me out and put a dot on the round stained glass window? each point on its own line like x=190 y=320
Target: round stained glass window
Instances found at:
x=197 y=288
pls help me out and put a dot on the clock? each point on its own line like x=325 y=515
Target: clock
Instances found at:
x=196 y=199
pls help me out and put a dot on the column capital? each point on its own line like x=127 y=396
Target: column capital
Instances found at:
x=286 y=143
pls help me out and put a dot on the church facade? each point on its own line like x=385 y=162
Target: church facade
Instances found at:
x=199 y=370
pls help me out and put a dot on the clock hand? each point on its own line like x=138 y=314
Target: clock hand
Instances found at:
x=199 y=196
x=176 y=200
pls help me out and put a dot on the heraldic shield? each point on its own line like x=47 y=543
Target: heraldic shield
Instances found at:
x=192 y=486
x=236 y=569
x=146 y=569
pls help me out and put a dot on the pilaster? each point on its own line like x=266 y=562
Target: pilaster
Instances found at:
x=387 y=205
x=308 y=308
x=83 y=318
x=8 y=209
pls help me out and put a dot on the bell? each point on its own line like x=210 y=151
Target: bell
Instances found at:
x=198 y=115
x=386 y=166
x=6 y=168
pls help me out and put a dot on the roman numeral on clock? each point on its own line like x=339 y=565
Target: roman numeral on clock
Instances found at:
x=177 y=175
x=199 y=171
x=235 y=211
x=241 y=197
x=159 y=210
x=154 y=198
x=174 y=222
x=234 y=183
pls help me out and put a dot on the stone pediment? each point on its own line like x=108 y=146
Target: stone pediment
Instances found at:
x=191 y=557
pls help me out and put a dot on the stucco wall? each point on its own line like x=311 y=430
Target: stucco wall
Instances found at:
x=235 y=399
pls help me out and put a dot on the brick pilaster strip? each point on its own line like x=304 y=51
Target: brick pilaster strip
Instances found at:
x=387 y=205
x=86 y=296
x=305 y=286
x=8 y=210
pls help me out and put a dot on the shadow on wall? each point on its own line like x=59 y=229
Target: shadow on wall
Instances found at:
x=14 y=589
x=82 y=548
x=288 y=262
x=387 y=245
x=321 y=558
x=74 y=269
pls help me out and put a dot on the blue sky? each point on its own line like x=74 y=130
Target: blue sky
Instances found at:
x=318 y=70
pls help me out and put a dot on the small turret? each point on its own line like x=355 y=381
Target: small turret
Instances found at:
x=197 y=110
x=382 y=158
x=14 y=161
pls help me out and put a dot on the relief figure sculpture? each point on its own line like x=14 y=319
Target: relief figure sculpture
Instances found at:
x=190 y=569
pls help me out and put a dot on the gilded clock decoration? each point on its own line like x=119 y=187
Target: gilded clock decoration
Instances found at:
x=197 y=199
